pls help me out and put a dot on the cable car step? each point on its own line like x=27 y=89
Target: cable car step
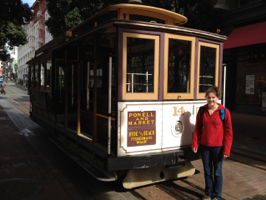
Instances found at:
x=86 y=164
x=140 y=177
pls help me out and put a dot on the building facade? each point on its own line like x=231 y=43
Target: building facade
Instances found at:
x=26 y=52
x=37 y=36
x=13 y=65
x=245 y=55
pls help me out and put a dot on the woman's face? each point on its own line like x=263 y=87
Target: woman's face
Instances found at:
x=212 y=99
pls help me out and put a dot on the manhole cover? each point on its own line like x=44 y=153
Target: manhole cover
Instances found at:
x=20 y=189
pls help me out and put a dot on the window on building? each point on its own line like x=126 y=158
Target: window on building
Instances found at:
x=246 y=2
x=234 y=4
x=251 y=74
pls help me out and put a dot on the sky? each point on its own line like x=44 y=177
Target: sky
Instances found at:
x=30 y=2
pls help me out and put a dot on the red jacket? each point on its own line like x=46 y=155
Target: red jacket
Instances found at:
x=214 y=133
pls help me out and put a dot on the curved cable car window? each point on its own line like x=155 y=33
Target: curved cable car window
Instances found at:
x=146 y=18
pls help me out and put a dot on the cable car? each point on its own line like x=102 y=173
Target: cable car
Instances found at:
x=120 y=92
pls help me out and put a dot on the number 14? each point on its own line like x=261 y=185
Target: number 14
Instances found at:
x=180 y=111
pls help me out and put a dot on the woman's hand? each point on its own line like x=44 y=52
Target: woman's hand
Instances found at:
x=194 y=150
x=226 y=156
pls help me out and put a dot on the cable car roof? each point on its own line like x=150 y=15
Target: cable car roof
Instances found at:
x=121 y=14
x=125 y=10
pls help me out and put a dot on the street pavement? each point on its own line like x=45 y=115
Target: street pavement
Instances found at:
x=31 y=167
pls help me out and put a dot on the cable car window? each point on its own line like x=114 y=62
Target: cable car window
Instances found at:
x=42 y=75
x=36 y=77
x=99 y=78
x=48 y=72
x=59 y=74
x=140 y=66
x=208 y=67
x=32 y=75
x=61 y=77
x=179 y=66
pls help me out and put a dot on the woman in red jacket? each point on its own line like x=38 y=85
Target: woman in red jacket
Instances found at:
x=215 y=137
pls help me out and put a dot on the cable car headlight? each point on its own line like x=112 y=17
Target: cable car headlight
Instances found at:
x=177 y=128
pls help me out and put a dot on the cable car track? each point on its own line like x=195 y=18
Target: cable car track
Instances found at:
x=179 y=192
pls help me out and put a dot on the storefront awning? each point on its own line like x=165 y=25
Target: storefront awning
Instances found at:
x=247 y=35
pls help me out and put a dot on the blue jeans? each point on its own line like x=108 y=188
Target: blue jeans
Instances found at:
x=212 y=158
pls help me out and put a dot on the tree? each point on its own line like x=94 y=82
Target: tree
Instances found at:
x=201 y=14
x=13 y=14
x=66 y=14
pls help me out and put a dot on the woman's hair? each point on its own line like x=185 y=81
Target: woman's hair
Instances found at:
x=215 y=90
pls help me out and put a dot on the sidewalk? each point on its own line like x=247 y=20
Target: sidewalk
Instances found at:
x=23 y=173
